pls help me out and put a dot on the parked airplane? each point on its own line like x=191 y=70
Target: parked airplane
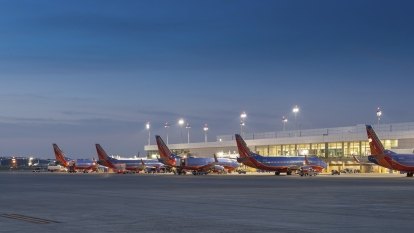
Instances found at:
x=84 y=165
x=277 y=164
x=126 y=165
x=197 y=166
x=386 y=158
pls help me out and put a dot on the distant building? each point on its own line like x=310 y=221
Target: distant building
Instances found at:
x=336 y=145
x=18 y=162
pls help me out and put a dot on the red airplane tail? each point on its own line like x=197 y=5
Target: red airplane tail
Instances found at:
x=244 y=151
x=166 y=155
x=374 y=143
x=103 y=157
x=60 y=156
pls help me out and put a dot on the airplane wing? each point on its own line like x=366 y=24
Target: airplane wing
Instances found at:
x=207 y=167
x=356 y=159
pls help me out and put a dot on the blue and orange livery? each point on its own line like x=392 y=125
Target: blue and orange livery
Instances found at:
x=278 y=164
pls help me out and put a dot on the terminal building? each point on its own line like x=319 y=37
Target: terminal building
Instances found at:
x=336 y=146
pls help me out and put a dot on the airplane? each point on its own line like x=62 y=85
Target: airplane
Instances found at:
x=386 y=158
x=277 y=164
x=84 y=165
x=126 y=165
x=198 y=166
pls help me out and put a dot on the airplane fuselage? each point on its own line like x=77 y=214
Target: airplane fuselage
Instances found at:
x=135 y=164
x=283 y=163
x=192 y=163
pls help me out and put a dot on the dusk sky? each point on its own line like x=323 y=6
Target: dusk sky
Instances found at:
x=78 y=73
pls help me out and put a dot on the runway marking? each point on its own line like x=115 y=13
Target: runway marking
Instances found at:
x=28 y=218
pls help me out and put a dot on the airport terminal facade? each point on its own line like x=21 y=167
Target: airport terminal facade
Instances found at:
x=335 y=145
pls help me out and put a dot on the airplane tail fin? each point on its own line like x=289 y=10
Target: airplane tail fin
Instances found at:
x=374 y=143
x=60 y=156
x=166 y=155
x=244 y=151
x=103 y=156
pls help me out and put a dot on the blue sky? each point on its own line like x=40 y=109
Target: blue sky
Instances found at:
x=78 y=73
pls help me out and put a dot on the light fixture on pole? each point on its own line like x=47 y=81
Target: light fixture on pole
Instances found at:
x=379 y=114
x=205 y=129
x=181 y=124
x=284 y=120
x=295 y=111
x=148 y=127
x=166 y=126
x=188 y=127
x=243 y=116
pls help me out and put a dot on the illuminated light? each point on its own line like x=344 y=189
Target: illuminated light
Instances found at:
x=295 y=109
x=379 y=112
x=243 y=115
x=148 y=125
x=181 y=122
x=370 y=140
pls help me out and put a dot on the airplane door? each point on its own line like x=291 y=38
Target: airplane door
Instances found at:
x=182 y=162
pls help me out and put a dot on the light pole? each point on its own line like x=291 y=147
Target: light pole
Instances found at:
x=205 y=129
x=379 y=114
x=284 y=120
x=148 y=127
x=295 y=111
x=188 y=127
x=181 y=123
x=166 y=126
x=243 y=116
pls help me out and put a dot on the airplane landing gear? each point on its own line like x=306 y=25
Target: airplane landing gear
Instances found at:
x=181 y=172
x=410 y=174
x=277 y=173
x=199 y=173
x=289 y=172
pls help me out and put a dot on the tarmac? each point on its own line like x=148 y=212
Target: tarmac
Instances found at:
x=50 y=202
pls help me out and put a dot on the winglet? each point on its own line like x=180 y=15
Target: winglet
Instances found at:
x=356 y=159
x=215 y=158
x=60 y=156
x=306 y=160
x=374 y=143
